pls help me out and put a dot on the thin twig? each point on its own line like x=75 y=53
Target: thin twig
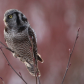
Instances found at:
x=39 y=80
x=70 y=56
x=36 y=69
x=36 y=75
x=36 y=79
x=7 y=47
x=12 y=67
x=2 y=80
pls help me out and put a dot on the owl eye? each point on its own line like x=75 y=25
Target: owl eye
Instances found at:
x=10 y=16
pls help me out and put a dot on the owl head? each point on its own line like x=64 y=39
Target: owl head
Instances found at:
x=14 y=19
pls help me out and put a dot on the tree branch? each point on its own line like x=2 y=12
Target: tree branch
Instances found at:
x=11 y=66
x=2 y=80
x=70 y=56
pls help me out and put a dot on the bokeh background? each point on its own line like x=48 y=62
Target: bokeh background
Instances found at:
x=55 y=23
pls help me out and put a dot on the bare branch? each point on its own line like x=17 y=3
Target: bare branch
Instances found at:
x=70 y=56
x=36 y=74
x=39 y=80
x=12 y=67
x=7 y=47
x=2 y=80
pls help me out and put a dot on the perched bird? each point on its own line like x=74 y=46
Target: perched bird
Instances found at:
x=21 y=39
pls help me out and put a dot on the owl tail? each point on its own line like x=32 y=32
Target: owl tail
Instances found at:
x=33 y=70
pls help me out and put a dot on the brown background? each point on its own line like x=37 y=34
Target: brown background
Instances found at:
x=55 y=23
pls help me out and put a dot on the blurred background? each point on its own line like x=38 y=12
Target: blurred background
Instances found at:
x=55 y=23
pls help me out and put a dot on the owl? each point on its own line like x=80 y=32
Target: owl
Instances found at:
x=21 y=39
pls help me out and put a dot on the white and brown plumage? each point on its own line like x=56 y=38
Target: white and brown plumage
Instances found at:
x=20 y=38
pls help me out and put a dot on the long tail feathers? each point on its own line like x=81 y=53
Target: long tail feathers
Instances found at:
x=33 y=70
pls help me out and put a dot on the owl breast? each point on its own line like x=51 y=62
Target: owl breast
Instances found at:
x=20 y=44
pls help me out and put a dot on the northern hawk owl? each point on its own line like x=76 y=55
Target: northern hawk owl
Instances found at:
x=21 y=39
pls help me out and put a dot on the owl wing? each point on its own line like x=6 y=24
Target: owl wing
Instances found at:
x=33 y=37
